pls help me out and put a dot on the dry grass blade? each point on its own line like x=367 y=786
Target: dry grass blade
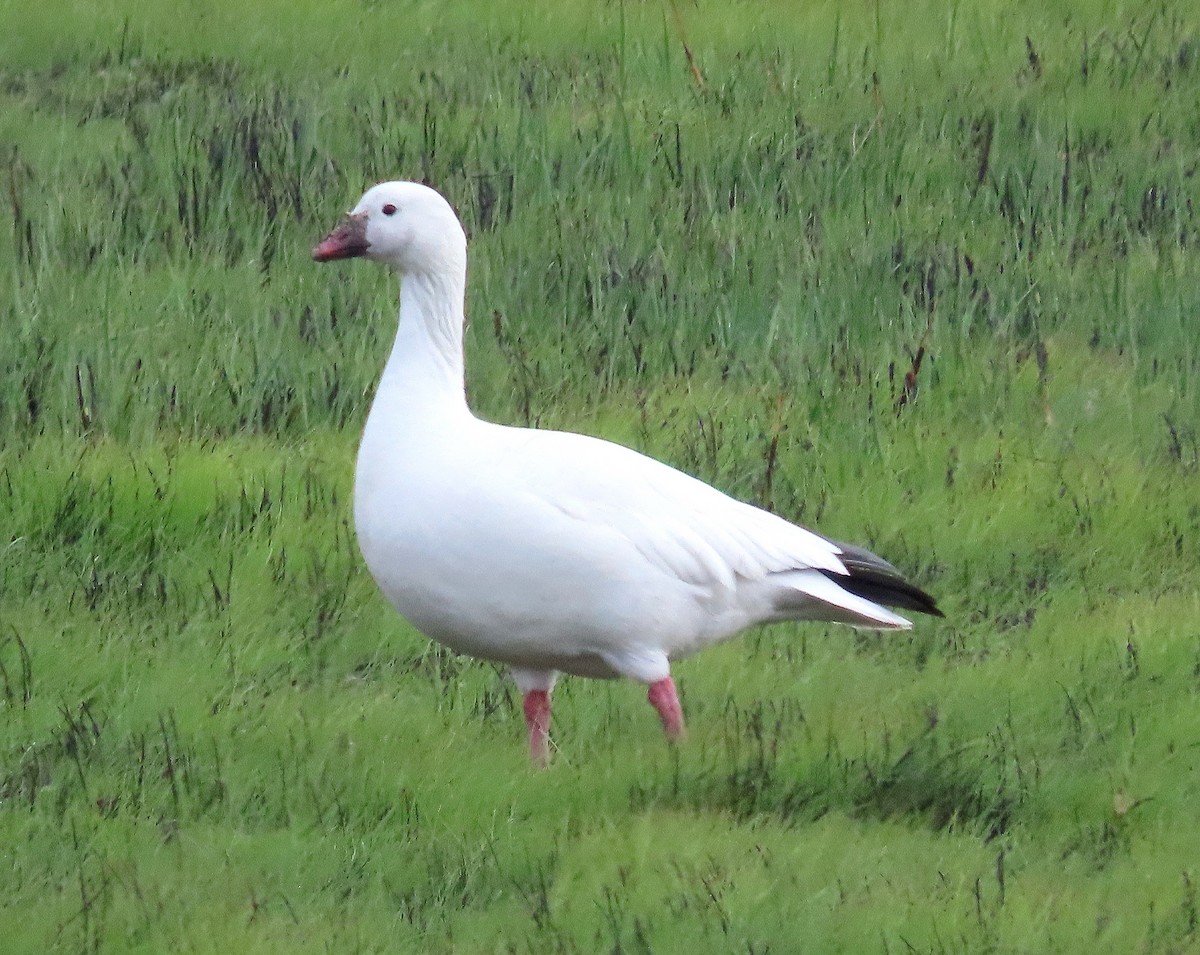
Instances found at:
x=677 y=18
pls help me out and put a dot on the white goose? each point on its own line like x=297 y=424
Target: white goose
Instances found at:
x=554 y=552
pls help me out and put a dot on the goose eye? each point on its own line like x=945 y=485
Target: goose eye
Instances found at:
x=389 y=209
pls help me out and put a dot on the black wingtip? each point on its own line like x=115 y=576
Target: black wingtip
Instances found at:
x=874 y=579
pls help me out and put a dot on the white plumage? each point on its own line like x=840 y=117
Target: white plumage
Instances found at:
x=550 y=551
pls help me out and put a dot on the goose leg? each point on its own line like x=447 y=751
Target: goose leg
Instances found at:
x=535 y=687
x=537 y=718
x=663 y=698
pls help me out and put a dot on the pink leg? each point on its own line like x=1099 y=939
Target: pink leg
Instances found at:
x=662 y=697
x=537 y=718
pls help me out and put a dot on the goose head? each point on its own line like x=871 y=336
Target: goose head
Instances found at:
x=403 y=224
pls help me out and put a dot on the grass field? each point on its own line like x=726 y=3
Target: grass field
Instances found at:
x=217 y=738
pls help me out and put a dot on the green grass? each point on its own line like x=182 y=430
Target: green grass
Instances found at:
x=217 y=738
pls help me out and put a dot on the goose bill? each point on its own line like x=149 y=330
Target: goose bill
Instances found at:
x=347 y=241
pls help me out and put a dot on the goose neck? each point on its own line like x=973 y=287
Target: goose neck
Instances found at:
x=426 y=363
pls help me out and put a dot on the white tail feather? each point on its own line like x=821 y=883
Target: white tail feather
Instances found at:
x=838 y=605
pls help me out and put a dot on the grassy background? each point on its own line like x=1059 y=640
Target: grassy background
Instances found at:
x=216 y=737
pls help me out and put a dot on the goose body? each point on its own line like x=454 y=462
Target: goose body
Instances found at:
x=549 y=551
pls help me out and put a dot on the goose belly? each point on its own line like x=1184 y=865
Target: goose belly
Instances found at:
x=483 y=588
